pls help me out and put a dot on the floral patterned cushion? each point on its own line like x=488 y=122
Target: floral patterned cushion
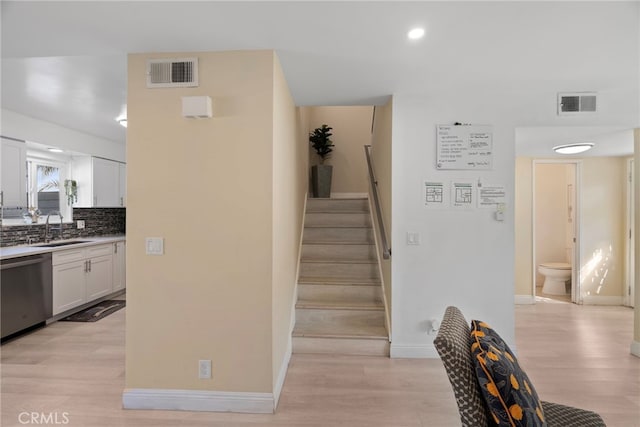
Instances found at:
x=507 y=390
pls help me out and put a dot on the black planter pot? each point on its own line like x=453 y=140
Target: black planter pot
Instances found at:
x=321 y=180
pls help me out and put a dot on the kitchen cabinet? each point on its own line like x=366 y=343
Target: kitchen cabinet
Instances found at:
x=119 y=265
x=81 y=275
x=122 y=181
x=14 y=174
x=101 y=182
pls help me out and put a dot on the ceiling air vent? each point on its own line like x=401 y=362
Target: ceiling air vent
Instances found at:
x=576 y=102
x=178 y=72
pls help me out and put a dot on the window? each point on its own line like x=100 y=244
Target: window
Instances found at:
x=46 y=186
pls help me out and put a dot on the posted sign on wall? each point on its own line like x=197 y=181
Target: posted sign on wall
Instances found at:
x=464 y=147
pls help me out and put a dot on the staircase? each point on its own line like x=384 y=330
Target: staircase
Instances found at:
x=340 y=308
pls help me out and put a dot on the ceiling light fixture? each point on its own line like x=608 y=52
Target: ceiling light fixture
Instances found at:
x=55 y=150
x=122 y=121
x=576 y=148
x=415 y=34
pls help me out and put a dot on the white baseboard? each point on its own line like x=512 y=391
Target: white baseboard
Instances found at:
x=198 y=400
x=525 y=299
x=601 y=300
x=349 y=195
x=635 y=348
x=406 y=351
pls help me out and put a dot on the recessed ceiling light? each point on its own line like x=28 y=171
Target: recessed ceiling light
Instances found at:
x=580 y=147
x=55 y=150
x=415 y=34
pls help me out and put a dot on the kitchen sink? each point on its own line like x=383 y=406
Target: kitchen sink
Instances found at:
x=56 y=244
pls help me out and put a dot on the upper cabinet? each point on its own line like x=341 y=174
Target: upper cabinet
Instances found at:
x=101 y=182
x=14 y=174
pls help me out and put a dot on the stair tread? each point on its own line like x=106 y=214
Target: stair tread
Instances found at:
x=369 y=281
x=346 y=332
x=320 y=260
x=343 y=304
x=338 y=242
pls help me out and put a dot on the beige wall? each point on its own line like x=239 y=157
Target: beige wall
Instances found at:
x=351 y=131
x=523 y=226
x=381 y=159
x=602 y=226
x=290 y=166
x=207 y=187
x=551 y=204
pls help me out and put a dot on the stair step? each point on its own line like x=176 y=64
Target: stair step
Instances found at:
x=338 y=205
x=352 y=270
x=339 y=261
x=337 y=219
x=348 y=346
x=340 y=292
x=377 y=332
x=342 y=251
x=339 y=321
x=332 y=281
x=340 y=305
x=354 y=235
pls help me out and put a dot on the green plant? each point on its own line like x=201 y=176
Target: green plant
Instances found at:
x=320 y=140
x=71 y=191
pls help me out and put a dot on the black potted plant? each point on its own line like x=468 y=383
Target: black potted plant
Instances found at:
x=320 y=140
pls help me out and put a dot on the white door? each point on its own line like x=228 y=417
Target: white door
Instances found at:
x=68 y=286
x=99 y=278
x=106 y=188
x=14 y=174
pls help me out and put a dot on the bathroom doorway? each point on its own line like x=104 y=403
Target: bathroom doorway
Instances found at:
x=556 y=220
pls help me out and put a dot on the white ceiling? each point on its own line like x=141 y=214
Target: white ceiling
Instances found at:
x=65 y=62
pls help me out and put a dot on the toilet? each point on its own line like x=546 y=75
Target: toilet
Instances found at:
x=556 y=275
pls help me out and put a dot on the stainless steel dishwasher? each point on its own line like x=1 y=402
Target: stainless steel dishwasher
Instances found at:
x=25 y=292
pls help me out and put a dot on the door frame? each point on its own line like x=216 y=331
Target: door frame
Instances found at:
x=629 y=293
x=576 y=288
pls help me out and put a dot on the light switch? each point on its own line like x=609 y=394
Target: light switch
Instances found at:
x=154 y=246
x=413 y=238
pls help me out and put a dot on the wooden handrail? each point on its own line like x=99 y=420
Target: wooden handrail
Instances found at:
x=386 y=250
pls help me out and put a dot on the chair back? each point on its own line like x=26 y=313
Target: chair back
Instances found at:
x=453 y=344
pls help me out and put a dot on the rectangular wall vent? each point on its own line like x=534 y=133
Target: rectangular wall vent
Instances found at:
x=177 y=72
x=576 y=102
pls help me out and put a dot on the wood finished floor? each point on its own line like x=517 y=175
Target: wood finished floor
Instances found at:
x=574 y=355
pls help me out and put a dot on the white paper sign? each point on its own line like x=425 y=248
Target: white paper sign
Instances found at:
x=491 y=196
x=463 y=195
x=434 y=194
x=464 y=147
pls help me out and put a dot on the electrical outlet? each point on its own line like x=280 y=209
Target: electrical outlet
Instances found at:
x=204 y=369
x=80 y=224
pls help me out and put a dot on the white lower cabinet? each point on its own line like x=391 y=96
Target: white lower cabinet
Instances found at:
x=81 y=275
x=68 y=286
x=119 y=265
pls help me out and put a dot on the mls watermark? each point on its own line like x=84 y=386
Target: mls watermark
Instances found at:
x=43 y=418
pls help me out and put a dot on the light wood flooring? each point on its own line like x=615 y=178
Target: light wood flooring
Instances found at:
x=574 y=355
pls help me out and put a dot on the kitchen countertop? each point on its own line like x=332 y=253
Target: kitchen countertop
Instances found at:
x=25 y=250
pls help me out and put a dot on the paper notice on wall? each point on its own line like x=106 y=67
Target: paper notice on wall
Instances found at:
x=491 y=196
x=464 y=147
x=463 y=195
x=434 y=195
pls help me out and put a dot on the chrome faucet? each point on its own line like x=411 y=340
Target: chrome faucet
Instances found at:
x=46 y=225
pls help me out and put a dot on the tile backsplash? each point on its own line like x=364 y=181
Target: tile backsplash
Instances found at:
x=98 y=222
